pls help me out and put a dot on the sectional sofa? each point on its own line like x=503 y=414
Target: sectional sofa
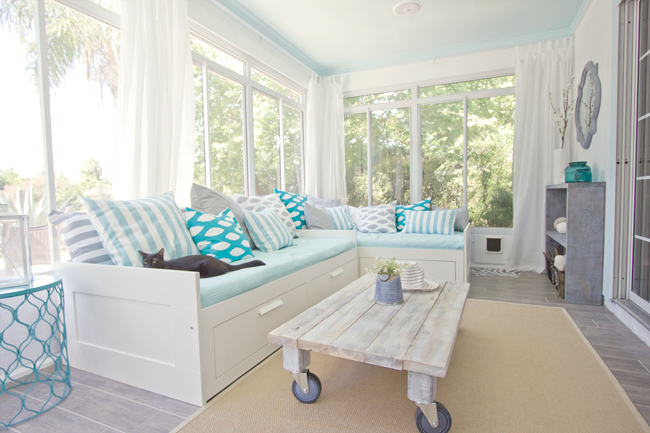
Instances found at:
x=174 y=334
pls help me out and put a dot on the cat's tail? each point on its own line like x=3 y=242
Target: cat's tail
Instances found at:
x=248 y=265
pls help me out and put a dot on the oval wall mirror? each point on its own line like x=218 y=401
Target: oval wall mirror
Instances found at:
x=587 y=104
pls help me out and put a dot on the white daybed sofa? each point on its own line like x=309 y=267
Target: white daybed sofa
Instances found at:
x=173 y=334
x=441 y=257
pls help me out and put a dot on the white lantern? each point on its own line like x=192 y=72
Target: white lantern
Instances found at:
x=15 y=258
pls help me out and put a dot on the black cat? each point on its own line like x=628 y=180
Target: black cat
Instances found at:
x=206 y=266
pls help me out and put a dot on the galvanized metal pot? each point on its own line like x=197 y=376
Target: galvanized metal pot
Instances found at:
x=388 y=290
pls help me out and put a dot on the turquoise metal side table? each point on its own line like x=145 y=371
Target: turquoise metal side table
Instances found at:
x=34 y=370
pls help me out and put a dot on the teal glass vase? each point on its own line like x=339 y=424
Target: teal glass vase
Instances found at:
x=577 y=171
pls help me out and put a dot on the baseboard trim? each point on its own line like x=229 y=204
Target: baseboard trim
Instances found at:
x=634 y=320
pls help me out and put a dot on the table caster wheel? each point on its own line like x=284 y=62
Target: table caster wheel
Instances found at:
x=444 y=421
x=314 y=389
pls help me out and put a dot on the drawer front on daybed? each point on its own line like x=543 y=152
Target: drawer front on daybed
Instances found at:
x=433 y=270
x=243 y=335
x=332 y=281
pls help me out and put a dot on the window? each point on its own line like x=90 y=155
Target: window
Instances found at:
x=244 y=155
x=463 y=151
x=83 y=104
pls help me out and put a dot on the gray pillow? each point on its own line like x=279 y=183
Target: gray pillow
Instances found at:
x=378 y=219
x=320 y=202
x=317 y=218
x=207 y=201
x=462 y=216
x=80 y=237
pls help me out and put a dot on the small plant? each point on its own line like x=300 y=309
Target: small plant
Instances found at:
x=564 y=112
x=388 y=267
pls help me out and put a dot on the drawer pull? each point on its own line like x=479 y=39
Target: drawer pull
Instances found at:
x=336 y=273
x=270 y=307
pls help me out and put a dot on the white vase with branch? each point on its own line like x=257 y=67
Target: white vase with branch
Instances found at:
x=563 y=114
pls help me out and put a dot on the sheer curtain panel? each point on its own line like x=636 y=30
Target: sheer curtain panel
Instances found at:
x=540 y=68
x=155 y=101
x=325 y=139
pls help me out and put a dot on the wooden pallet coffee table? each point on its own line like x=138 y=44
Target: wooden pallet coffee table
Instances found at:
x=417 y=335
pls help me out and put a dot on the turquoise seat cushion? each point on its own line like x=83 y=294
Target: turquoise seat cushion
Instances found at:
x=219 y=236
x=409 y=240
x=305 y=253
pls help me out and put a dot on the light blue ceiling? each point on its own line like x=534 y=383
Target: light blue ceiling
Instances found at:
x=340 y=36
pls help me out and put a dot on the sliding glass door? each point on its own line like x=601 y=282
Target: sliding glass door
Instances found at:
x=640 y=290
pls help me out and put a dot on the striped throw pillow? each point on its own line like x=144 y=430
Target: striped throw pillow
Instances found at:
x=268 y=231
x=400 y=219
x=340 y=217
x=148 y=224
x=80 y=238
x=431 y=222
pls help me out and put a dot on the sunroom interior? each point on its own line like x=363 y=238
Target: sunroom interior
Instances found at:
x=519 y=126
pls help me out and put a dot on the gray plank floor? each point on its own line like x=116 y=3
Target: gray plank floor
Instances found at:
x=101 y=405
x=627 y=356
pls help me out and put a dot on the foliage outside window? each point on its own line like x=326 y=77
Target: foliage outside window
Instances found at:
x=487 y=149
x=274 y=85
x=216 y=56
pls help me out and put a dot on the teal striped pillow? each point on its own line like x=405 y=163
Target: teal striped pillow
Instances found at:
x=268 y=231
x=430 y=222
x=148 y=224
x=340 y=217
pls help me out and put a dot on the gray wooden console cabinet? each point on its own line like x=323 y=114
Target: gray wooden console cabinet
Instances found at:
x=583 y=205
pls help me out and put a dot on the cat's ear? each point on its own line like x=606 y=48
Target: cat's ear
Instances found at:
x=161 y=253
x=143 y=254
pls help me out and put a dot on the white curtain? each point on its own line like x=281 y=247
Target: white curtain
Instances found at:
x=540 y=68
x=325 y=139
x=155 y=100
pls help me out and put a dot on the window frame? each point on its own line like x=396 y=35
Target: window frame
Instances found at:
x=415 y=105
x=249 y=86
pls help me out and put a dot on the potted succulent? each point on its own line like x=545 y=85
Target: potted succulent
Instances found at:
x=388 y=289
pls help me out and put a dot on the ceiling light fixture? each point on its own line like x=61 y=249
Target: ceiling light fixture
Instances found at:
x=407 y=8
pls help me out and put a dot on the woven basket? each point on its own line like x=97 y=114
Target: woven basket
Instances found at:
x=388 y=291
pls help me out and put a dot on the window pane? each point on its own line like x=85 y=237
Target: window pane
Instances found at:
x=489 y=161
x=273 y=85
x=356 y=159
x=226 y=128
x=266 y=118
x=22 y=183
x=390 y=156
x=442 y=153
x=377 y=98
x=199 y=129
x=291 y=121
x=84 y=57
x=468 y=86
x=216 y=56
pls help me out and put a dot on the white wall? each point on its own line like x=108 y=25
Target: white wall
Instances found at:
x=595 y=40
x=435 y=70
x=215 y=23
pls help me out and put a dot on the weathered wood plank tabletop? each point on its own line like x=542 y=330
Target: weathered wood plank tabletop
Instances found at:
x=417 y=335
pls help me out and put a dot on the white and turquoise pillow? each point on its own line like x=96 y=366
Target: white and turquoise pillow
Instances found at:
x=268 y=231
x=430 y=222
x=295 y=204
x=341 y=218
x=219 y=236
x=400 y=219
x=259 y=203
x=149 y=224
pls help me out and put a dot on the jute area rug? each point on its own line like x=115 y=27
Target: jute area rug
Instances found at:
x=515 y=368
